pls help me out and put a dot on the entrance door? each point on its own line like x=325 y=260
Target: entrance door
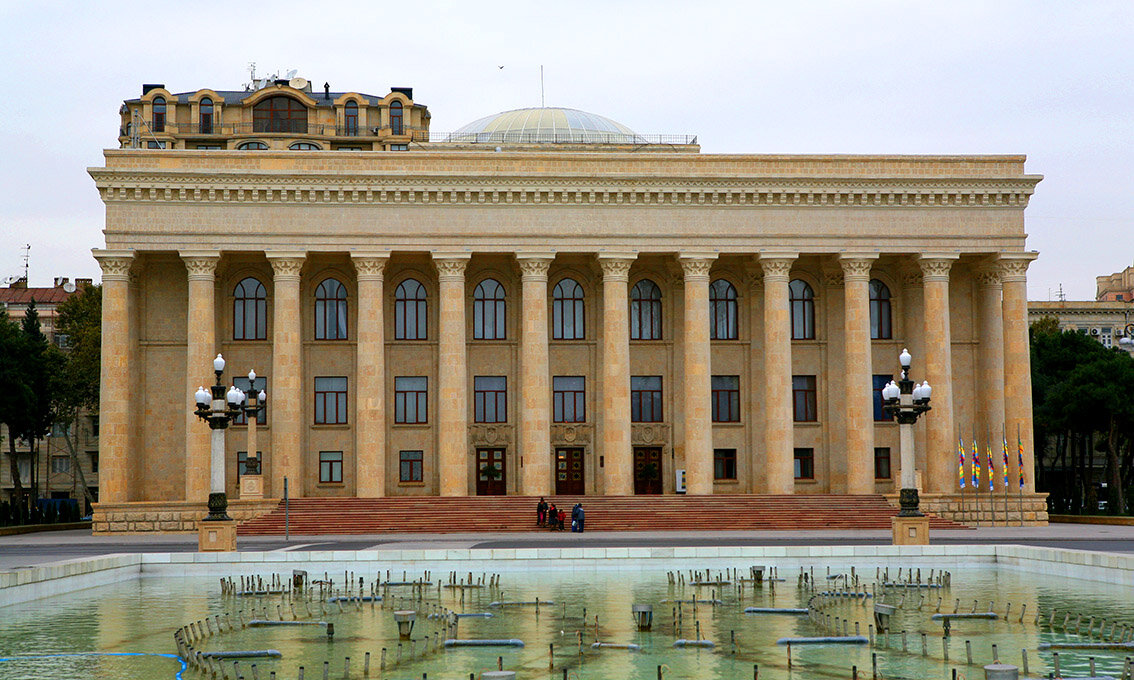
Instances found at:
x=490 y=472
x=647 y=470
x=569 y=478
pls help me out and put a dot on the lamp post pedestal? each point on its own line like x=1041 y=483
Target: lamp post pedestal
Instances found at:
x=216 y=535
x=910 y=530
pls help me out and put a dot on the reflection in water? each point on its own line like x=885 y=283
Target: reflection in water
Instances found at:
x=140 y=617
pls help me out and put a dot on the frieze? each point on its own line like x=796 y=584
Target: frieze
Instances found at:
x=571 y=434
x=490 y=435
x=650 y=433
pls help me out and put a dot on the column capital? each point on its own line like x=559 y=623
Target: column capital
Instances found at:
x=534 y=266
x=777 y=265
x=369 y=266
x=832 y=277
x=990 y=275
x=936 y=266
x=286 y=265
x=202 y=264
x=1014 y=266
x=696 y=266
x=115 y=264
x=616 y=266
x=451 y=266
x=856 y=266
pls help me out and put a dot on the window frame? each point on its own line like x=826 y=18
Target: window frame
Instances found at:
x=330 y=468
x=350 y=119
x=724 y=462
x=338 y=398
x=727 y=397
x=490 y=403
x=205 y=118
x=402 y=396
x=252 y=145
x=889 y=463
x=397 y=126
x=331 y=310
x=881 y=311
x=801 y=301
x=568 y=305
x=723 y=311
x=157 y=117
x=560 y=396
x=804 y=399
x=803 y=461
x=257 y=301
x=420 y=311
x=492 y=310
x=878 y=382
x=416 y=467
x=639 y=401
x=268 y=116
x=304 y=146
x=646 y=311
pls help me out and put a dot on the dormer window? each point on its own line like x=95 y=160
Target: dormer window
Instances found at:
x=396 y=118
x=158 y=123
x=206 y=116
x=279 y=114
x=350 y=119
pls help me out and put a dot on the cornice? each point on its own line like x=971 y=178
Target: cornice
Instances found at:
x=639 y=190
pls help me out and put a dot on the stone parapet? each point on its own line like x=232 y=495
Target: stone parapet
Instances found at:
x=169 y=516
x=972 y=510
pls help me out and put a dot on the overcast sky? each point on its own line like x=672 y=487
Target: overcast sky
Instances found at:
x=1053 y=80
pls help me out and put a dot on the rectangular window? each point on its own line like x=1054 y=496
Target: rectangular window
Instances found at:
x=410 y=395
x=724 y=463
x=60 y=465
x=490 y=399
x=330 y=401
x=803 y=399
x=569 y=398
x=261 y=384
x=330 y=467
x=94 y=460
x=399 y=147
x=155 y=145
x=880 y=415
x=241 y=464
x=805 y=463
x=410 y=466
x=209 y=147
x=726 y=398
x=881 y=462
x=94 y=426
x=646 y=398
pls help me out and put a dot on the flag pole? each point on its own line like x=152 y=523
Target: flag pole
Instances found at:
x=976 y=477
x=1020 y=465
x=961 y=473
x=1004 y=438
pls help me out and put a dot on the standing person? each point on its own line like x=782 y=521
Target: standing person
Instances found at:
x=562 y=518
x=541 y=513
x=552 y=517
x=579 y=520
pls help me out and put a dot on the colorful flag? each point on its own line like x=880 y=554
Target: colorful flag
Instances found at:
x=976 y=467
x=1020 y=449
x=991 y=467
x=1005 y=464
x=961 y=461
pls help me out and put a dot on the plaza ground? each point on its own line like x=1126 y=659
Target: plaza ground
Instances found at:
x=29 y=550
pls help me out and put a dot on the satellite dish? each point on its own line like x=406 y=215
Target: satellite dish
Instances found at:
x=69 y=287
x=9 y=280
x=291 y=73
x=297 y=83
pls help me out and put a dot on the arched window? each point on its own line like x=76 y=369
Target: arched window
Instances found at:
x=802 y=310
x=158 y=123
x=396 y=118
x=279 y=114
x=645 y=311
x=722 y=310
x=305 y=146
x=410 y=311
x=350 y=119
x=252 y=146
x=206 y=116
x=567 y=311
x=330 y=311
x=249 y=311
x=488 y=311
x=880 y=327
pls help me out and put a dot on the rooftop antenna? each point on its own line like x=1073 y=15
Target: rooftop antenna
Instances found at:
x=1062 y=297
x=27 y=259
x=542 y=103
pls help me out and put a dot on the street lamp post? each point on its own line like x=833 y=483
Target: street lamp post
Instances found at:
x=1127 y=339
x=219 y=407
x=906 y=401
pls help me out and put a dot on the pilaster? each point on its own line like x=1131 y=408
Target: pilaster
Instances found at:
x=114 y=389
x=370 y=380
x=535 y=389
x=287 y=375
x=779 y=472
x=697 y=374
x=452 y=420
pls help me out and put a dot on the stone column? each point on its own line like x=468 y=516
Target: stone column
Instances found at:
x=618 y=473
x=115 y=396
x=453 y=398
x=535 y=390
x=859 y=394
x=370 y=381
x=201 y=349
x=697 y=375
x=990 y=363
x=1017 y=361
x=779 y=456
x=940 y=435
x=287 y=375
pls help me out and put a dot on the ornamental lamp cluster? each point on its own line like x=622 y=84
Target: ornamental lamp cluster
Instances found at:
x=905 y=399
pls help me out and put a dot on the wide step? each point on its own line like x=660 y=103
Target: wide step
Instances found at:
x=311 y=516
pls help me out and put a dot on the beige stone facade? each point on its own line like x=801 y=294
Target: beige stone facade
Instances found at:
x=675 y=375
x=1108 y=321
x=1116 y=287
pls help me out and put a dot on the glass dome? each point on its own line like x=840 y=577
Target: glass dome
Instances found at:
x=546 y=126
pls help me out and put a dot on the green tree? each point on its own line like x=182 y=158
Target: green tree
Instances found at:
x=37 y=369
x=15 y=392
x=76 y=369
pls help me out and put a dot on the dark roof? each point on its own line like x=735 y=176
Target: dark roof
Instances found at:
x=42 y=296
x=234 y=97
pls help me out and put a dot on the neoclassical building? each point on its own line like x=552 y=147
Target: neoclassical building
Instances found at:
x=548 y=302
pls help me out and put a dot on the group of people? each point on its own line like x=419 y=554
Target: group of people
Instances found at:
x=555 y=519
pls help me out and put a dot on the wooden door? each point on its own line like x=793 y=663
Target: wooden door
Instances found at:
x=569 y=477
x=647 y=470
x=490 y=483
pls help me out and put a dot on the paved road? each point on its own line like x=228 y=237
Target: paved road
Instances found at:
x=34 y=549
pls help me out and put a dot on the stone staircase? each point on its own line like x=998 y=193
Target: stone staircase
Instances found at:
x=432 y=514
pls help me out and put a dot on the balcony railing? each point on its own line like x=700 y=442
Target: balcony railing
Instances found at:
x=564 y=137
x=286 y=127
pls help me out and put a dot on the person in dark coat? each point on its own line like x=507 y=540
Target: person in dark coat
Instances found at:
x=552 y=517
x=541 y=513
x=579 y=517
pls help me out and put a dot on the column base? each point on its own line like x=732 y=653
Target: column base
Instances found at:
x=910 y=530
x=216 y=536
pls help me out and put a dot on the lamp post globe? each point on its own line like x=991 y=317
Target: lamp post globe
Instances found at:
x=905 y=400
